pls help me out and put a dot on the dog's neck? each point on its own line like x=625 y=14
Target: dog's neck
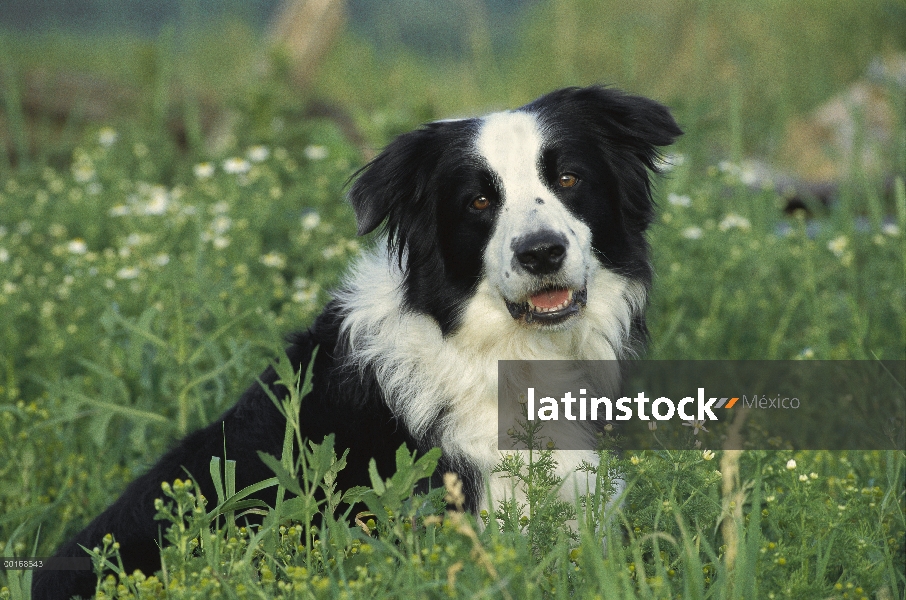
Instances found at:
x=423 y=373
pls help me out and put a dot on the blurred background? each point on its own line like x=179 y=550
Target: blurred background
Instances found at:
x=796 y=84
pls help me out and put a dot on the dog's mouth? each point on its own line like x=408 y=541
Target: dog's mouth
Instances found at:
x=549 y=305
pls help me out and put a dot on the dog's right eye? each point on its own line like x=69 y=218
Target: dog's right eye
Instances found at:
x=481 y=203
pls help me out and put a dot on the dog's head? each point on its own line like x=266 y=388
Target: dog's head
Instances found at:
x=534 y=201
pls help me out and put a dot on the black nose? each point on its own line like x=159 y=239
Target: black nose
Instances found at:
x=540 y=253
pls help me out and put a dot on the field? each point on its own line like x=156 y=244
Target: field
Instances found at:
x=145 y=281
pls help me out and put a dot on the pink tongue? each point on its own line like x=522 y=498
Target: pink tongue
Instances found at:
x=550 y=298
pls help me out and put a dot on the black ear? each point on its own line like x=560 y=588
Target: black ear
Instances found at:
x=624 y=122
x=401 y=176
x=394 y=177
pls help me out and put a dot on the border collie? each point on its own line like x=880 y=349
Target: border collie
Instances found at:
x=519 y=235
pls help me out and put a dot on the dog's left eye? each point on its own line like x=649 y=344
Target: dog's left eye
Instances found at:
x=481 y=203
x=567 y=180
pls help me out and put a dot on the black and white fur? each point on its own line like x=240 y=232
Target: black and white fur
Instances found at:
x=480 y=215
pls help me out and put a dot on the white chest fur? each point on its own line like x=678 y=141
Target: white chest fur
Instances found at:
x=430 y=380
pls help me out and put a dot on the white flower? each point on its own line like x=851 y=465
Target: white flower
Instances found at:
x=707 y=455
x=120 y=210
x=4 y=255
x=838 y=245
x=696 y=425
x=107 y=136
x=315 y=152
x=258 y=153
x=236 y=166
x=891 y=229
x=691 y=233
x=134 y=239
x=161 y=260
x=221 y=242
x=679 y=200
x=790 y=464
x=813 y=475
x=159 y=201
x=83 y=171
x=807 y=353
x=732 y=221
x=803 y=477
x=203 y=170
x=77 y=246
x=652 y=425
x=221 y=224
x=273 y=259
x=127 y=273
x=310 y=220
x=303 y=296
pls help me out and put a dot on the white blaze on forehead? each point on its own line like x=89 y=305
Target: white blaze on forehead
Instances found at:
x=510 y=142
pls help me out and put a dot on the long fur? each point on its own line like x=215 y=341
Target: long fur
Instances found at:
x=410 y=344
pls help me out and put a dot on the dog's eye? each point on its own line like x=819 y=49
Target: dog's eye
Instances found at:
x=481 y=203
x=567 y=180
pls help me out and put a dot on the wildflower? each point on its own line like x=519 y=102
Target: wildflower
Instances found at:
x=107 y=136
x=161 y=260
x=803 y=477
x=707 y=455
x=635 y=459
x=790 y=464
x=120 y=210
x=734 y=221
x=159 y=201
x=77 y=246
x=310 y=220
x=221 y=242
x=679 y=200
x=4 y=255
x=83 y=171
x=127 y=273
x=258 y=153
x=807 y=353
x=838 y=246
x=891 y=229
x=203 y=170
x=236 y=166
x=813 y=475
x=273 y=259
x=692 y=233
x=652 y=425
x=696 y=425
x=698 y=444
x=315 y=152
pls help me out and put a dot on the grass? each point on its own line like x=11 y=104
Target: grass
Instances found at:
x=143 y=287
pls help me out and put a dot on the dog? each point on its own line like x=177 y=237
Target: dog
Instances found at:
x=518 y=235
